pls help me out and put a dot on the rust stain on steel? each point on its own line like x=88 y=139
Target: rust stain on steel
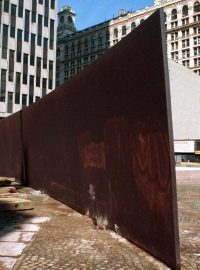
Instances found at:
x=91 y=154
x=102 y=143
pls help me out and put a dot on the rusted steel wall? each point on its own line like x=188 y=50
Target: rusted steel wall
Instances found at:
x=102 y=143
x=11 y=147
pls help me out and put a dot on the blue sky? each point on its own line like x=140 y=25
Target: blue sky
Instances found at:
x=91 y=12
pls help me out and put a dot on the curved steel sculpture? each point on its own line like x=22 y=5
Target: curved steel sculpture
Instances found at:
x=102 y=143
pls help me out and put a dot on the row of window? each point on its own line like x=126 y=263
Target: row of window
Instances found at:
x=185 y=43
x=185 y=33
x=106 y=37
x=186 y=63
x=17 y=97
x=100 y=39
x=185 y=11
x=80 y=61
x=27 y=12
x=184 y=22
x=19 y=46
x=187 y=53
x=74 y=67
x=27 y=29
x=133 y=26
x=34 y=6
x=24 y=75
x=17 y=93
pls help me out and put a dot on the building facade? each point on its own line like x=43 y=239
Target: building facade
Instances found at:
x=27 y=52
x=77 y=49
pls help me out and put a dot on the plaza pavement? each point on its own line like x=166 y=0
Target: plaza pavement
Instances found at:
x=53 y=236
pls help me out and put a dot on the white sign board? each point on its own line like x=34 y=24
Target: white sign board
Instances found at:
x=184 y=146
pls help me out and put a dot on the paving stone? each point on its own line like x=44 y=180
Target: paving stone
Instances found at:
x=38 y=220
x=11 y=249
x=14 y=236
x=7 y=263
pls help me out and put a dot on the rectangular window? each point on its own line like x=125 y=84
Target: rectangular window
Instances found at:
x=44 y=87
x=196 y=18
x=50 y=74
x=196 y=51
x=196 y=40
x=185 y=33
x=92 y=58
x=41 y=2
x=52 y=4
x=78 y=69
x=185 y=21
x=6 y=6
x=45 y=52
x=38 y=71
x=197 y=62
x=31 y=89
x=186 y=63
x=10 y=103
x=11 y=65
x=185 y=43
x=34 y=10
x=197 y=30
x=46 y=13
x=32 y=52
x=5 y=41
x=20 y=8
x=24 y=100
x=25 y=68
x=51 y=34
x=185 y=53
x=3 y=85
x=27 y=23
x=175 y=55
x=13 y=21
x=17 y=88
x=174 y=24
x=174 y=35
x=174 y=46
x=39 y=31
x=19 y=45
x=107 y=44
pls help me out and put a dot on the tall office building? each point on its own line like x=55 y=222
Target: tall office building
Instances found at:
x=27 y=52
x=77 y=49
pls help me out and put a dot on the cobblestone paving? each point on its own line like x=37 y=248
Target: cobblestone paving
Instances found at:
x=69 y=241
x=74 y=243
x=189 y=224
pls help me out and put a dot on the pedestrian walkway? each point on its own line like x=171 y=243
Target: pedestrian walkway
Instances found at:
x=53 y=236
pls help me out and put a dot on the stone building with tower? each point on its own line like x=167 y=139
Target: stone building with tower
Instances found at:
x=27 y=52
x=77 y=49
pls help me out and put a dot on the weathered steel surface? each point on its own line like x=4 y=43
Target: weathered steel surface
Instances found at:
x=102 y=143
x=11 y=147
